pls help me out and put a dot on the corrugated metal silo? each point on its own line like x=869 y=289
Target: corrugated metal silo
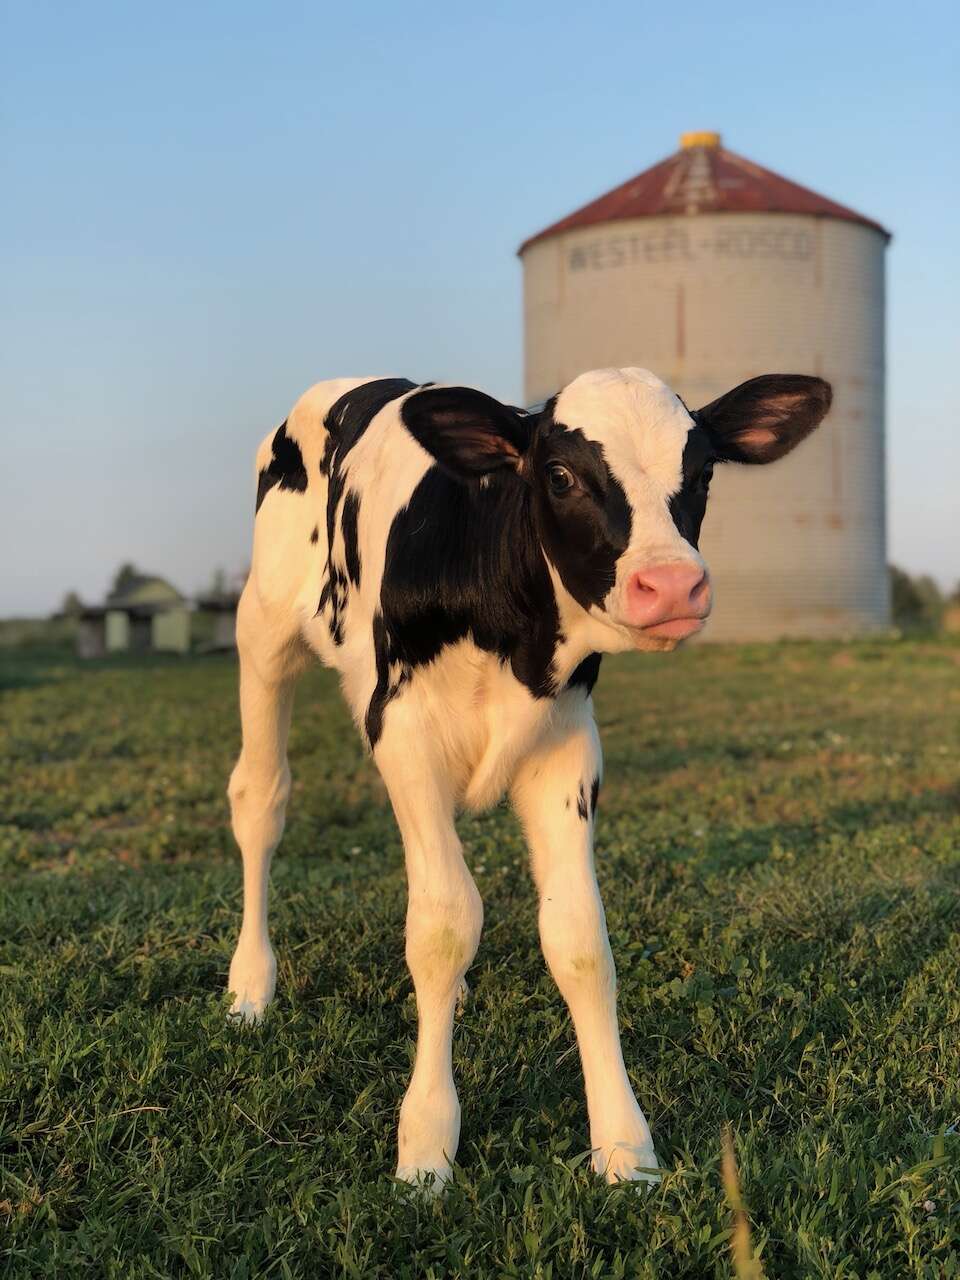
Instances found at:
x=709 y=269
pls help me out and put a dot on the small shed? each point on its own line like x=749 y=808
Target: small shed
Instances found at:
x=91 y=637
x=148 y=615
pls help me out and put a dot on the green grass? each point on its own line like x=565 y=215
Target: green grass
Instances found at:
x=779 y=851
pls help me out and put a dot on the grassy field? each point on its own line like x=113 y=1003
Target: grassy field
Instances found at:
x=779 y=850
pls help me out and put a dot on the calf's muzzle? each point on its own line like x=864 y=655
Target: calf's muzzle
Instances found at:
x=668 y=600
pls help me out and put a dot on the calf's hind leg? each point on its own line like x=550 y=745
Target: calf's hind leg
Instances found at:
x=554 y=794
x=259 y=789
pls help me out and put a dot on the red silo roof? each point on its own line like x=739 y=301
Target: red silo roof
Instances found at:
x=703 y=177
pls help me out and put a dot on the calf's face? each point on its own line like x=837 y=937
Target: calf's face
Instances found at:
x=619 y=472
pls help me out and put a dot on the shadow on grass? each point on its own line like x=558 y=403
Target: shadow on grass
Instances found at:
x=734 y=848
x=32 y=667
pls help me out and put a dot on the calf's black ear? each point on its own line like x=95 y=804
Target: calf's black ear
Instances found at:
x=469 y=433
x=763 y=419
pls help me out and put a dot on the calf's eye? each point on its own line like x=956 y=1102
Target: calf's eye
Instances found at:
x=559 y=478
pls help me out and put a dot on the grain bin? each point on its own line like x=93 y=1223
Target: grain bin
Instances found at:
x=709 y=269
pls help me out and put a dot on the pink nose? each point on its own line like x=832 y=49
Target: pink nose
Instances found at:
x=666 y=593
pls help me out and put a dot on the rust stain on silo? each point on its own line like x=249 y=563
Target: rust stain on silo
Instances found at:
x=681 y=324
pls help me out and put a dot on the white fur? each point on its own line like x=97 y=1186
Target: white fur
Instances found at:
x=463 y=733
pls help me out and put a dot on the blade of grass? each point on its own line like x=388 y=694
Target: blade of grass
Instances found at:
x=745 y=1265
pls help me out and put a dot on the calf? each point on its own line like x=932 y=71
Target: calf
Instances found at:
x=463 y=564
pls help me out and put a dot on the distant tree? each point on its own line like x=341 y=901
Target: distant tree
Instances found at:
x=905 y=602
x=218 y=583
x=933 y=601
x=954 y=596
x=125 y=577
x=72 y=605
x=916 y=603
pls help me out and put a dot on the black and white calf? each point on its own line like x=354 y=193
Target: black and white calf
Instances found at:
x=463 y=565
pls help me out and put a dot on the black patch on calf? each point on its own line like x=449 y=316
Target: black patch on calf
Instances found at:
x=265 y=483
x=463 y=559
x=585 y=675
x=594 y=795
x=351 y=546
x=582 y=811
x=385 y=689
x=337 y=582
x=345 y=422
x=315 y=536
x=285 y=467
x=689 y=503
x=348 y=418
x=586 y=530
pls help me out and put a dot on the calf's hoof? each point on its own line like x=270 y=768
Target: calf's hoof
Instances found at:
x=252 y=982
x=626 y=1162
x=428 y=1137
x=429 y=1180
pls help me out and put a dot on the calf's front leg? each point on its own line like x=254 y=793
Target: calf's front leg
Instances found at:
x=554 y=793
x=444 y=919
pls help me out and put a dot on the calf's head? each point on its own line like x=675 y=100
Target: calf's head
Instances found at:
x=619 y=472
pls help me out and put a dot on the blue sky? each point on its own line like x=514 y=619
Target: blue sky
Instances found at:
x=207 y=207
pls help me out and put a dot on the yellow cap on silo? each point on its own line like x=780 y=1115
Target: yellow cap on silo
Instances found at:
x=700 y=138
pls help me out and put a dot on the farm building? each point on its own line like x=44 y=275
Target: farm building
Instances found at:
x=148 y=614
x=708 y=269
